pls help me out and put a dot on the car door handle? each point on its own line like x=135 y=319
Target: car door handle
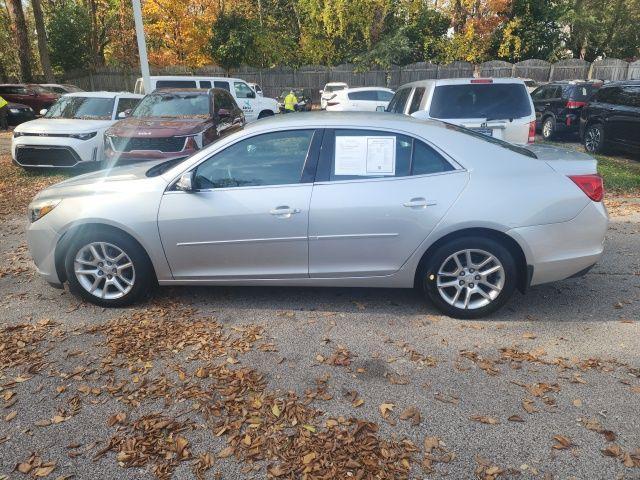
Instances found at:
x=284 y=211
x=418 y=202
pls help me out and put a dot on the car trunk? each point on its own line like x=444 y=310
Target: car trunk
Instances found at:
x=565 y=161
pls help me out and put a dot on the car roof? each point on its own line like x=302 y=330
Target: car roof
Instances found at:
x=193 y=77
x=622 y=83
x=365 y=89
x=332 y=84
x=460 y=81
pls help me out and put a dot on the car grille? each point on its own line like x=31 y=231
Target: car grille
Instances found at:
x=167 y=144
x=46 y=156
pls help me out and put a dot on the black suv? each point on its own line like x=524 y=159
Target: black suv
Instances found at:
x=612 y=118
x=558 y=106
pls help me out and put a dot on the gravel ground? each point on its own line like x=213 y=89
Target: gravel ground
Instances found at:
x=562 y=361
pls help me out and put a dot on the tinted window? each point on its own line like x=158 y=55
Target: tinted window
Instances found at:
x=173 y=105
x=426 y=160
x=630 y=96
x=205 y=84
x=127 y=104
x=243 y=90
x=176 y=84
x=581 y=92
x=270 y=159
x=223 y=85
x=384 y=96
x=399 y=100
x=370 y=95
x=93 y=108
x=495 y=141
x=480 y=100
x=404 y=145
x=539 y=93
x=416 y=100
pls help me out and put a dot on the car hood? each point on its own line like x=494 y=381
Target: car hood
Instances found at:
x=158 y=127
x=62 y=125
x=103 y=181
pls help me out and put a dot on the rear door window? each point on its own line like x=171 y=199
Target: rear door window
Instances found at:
x=367 y=95
x=176 y=84
x=223 y=85
x=416 y=100
x=582 y=93
x=426 y=160
x=205 y=83
x=399 y=100
x=480 y=100
x=630 y=96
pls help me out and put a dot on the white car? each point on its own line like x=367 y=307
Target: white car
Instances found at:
x=360 y=99
x=71 y=132
x=498 y=107
x=328 y=91
x=254 y=106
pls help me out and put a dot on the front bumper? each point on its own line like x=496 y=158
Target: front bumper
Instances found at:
x=42 y=241
x=561 y=250
x=55 y=152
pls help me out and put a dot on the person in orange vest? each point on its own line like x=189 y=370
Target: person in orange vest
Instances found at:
x=4 y=112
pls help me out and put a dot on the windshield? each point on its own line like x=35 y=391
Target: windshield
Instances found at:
x=173 y=105
x=481 y=100
x=84 y=108
x=334 y=88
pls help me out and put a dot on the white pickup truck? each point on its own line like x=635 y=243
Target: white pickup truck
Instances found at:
x=254 y=106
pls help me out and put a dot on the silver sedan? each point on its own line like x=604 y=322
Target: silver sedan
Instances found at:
x=331 y=199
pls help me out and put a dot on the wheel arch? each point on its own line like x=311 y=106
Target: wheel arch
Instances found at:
x=74 y=231
x=524 y=270
x=267 y=112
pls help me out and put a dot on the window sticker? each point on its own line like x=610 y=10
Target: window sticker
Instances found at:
x=365 y=156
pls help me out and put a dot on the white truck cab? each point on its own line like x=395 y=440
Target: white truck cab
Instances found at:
x=254 y=106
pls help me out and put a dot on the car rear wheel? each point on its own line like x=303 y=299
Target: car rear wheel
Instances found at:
x=548 y=128
x=594 y=138
x=108 y=269
x=264 y=114
x=470 y=277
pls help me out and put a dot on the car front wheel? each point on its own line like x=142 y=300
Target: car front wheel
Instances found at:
x=470 y=277
x=108 y=269
x=594 y=138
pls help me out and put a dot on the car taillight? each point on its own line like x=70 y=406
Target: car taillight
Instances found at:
x=591 y=185
x=482 y=80
x=532 y=132
x=574 y=104
x=191 y=144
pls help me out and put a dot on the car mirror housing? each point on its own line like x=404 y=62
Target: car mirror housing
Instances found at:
x=224 y=113
x=43 y=111
x=124 y=113
x=186 y=182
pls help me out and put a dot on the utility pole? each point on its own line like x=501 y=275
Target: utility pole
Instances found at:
x=142 y=46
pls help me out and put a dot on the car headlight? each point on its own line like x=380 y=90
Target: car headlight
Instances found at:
x=84 y=136
x=37 y=210
x=14 y=110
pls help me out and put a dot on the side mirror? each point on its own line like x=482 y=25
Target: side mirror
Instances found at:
x=380 y=108
x=43 y=111
x=124 y=113
x=186 y=182
x=223 y=113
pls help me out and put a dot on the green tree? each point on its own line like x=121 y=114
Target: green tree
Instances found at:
x=69 y=29
x=233 y=40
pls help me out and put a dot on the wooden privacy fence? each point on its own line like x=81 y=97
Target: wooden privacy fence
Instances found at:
x=313 y=77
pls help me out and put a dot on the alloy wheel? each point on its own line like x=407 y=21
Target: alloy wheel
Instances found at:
x=592 y=139
x=470 y=279
x=104 y=270
x=547 y=128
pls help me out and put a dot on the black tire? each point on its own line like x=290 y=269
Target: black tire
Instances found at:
x=548 y=128
x=144 y=276
x=594 y=141
x=429 y=277
x=265 y=113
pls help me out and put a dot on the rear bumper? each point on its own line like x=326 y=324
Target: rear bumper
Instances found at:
x=561 y=250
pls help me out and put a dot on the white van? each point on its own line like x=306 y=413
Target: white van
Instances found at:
x=497 y=107
x=254 y=106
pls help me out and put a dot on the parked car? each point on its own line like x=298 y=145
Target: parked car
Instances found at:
x=61 y=88
x=70 y=133
x=172 y=123
x=328 y=90
x=362 y=99
x=337 y=199
x=256 y=88
x=18 y=113
x=304 y=100
x=254 y=106
x=530 y=84
x=497 y=107
x=612 y=118
x=558 y=106
x=28 y=94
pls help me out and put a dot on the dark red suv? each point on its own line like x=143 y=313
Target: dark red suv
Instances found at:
x=29 y=94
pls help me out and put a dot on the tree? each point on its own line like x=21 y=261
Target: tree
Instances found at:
x=233 y=39
x=70 y=36
x=19 y=28
x=43 y=50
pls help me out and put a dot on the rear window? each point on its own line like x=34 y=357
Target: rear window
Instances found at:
x=495 y=141
x=176 y=84
x=582 y=92
x=480 y=100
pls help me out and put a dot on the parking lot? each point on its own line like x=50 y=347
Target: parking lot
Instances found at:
x=231 y=383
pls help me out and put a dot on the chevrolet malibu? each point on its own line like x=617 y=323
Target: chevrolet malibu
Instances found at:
x=339 y=199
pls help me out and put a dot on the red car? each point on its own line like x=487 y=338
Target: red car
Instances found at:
x=28 y=94
x=173 y=123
